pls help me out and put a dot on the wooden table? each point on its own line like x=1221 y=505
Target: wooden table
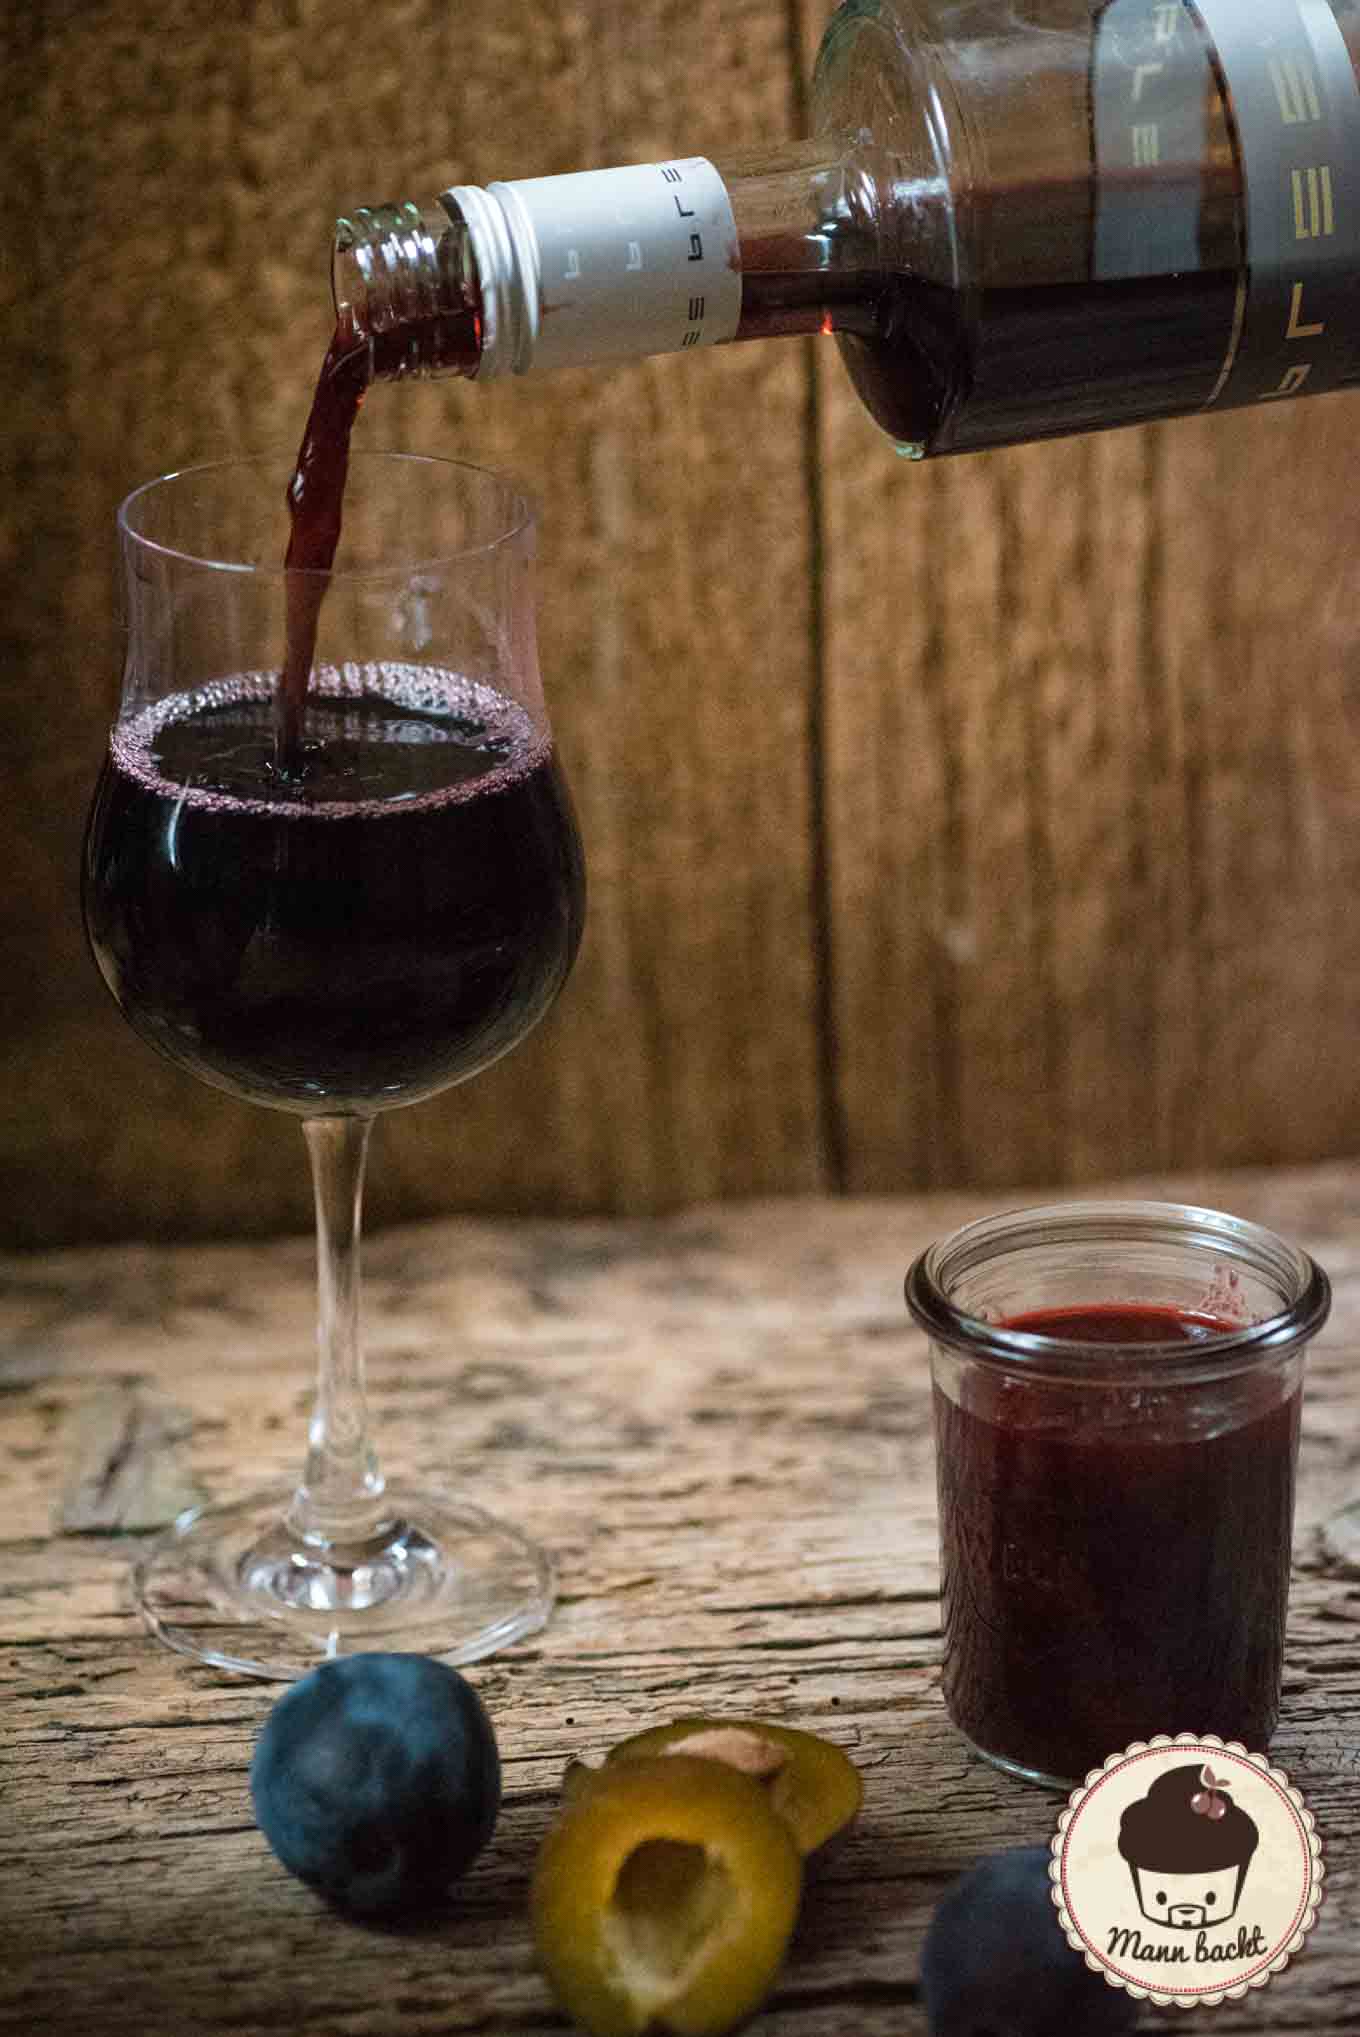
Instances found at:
x=720 y=1422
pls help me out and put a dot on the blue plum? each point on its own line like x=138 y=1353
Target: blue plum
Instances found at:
x=377 y=1781
x=995 y=1962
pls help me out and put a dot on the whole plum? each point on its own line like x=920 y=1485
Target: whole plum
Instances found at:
x=377 y=1781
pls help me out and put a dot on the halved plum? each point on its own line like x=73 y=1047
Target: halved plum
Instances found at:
x=664 y=1897
x=812 y=1784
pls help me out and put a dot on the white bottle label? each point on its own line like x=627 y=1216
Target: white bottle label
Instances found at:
x=613 y=264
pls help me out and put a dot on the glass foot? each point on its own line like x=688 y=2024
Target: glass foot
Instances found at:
x=234 y=1587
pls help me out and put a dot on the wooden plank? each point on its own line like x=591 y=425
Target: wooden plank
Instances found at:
x=174 y=306
x=721 y=1424
x=1091 y=800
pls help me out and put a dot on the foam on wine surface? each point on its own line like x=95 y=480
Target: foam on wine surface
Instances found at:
x=367 y=727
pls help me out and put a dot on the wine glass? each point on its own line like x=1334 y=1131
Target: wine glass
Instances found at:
x=383 y=917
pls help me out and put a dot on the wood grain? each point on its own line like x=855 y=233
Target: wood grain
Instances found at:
x=1092 y=806
x=175 y=306
x=993 y=821
x=721 y=1424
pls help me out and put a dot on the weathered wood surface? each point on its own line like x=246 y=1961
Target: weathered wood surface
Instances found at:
x=1093 y=769
x=996 y=821
x=720 y=1422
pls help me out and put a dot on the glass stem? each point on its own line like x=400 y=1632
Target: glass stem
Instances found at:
x=340 y=1499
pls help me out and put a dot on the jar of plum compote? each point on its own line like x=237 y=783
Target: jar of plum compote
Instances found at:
x=1116 y=1390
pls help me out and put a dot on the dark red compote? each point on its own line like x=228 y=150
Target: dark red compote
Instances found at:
x=1110 y=1570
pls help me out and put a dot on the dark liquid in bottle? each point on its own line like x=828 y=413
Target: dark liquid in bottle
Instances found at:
x=1104 y=1579
x=390 y=926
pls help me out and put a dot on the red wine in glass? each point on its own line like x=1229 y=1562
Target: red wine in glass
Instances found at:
x=387 y=926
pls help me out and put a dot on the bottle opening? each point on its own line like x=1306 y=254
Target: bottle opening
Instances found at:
x=402 y=278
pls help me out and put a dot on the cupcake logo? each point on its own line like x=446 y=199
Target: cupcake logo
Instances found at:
x=1187 y=1870
x=1188 y=1847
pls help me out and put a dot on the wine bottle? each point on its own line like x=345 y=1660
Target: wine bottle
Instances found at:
x=1018 y=218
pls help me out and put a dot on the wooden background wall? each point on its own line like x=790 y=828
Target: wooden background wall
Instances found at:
x=994 y=823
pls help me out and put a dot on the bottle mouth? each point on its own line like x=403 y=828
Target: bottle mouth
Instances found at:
x=400 y=282
x=1270 y=1296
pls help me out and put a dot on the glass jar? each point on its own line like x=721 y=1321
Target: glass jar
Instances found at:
x=1116 y=1394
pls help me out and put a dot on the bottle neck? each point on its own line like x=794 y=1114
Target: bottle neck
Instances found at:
x=405 y=284
x=811 y=260
x=553 y=272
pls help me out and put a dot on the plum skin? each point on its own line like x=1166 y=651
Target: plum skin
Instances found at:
x=995 y=1962
x=377 y=1781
